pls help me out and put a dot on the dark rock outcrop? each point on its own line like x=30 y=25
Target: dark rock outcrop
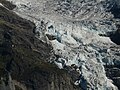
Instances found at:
x=113 y=72
x=115 y=37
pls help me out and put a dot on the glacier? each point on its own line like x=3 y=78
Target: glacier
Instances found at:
x=73 y=28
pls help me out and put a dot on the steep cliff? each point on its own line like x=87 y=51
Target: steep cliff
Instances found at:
x=24 y=60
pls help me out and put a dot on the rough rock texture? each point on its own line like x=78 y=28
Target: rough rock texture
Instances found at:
x=24 y=59
x=84 y=35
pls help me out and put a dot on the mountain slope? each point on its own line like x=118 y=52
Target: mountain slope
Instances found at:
x=24 y=59
x=84 y=36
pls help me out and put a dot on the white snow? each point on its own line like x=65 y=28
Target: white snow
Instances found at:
x=1 y=4
x=57 y=46
x=59 y=65
x=77 y=82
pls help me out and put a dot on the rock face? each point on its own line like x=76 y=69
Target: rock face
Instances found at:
x=84 y=35
x=24 y=59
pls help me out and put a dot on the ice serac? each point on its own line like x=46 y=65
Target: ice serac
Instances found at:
x=79 y=32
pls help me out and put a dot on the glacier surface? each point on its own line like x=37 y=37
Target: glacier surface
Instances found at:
x=72 y=27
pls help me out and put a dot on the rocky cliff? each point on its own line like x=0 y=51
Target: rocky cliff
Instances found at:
x=72 y=45
x=24 y=59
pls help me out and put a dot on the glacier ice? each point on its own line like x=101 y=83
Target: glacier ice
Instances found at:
x=76 y=26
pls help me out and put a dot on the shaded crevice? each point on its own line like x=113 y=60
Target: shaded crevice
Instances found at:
x=116 y=38
x=113 y=73
x=115 y=10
